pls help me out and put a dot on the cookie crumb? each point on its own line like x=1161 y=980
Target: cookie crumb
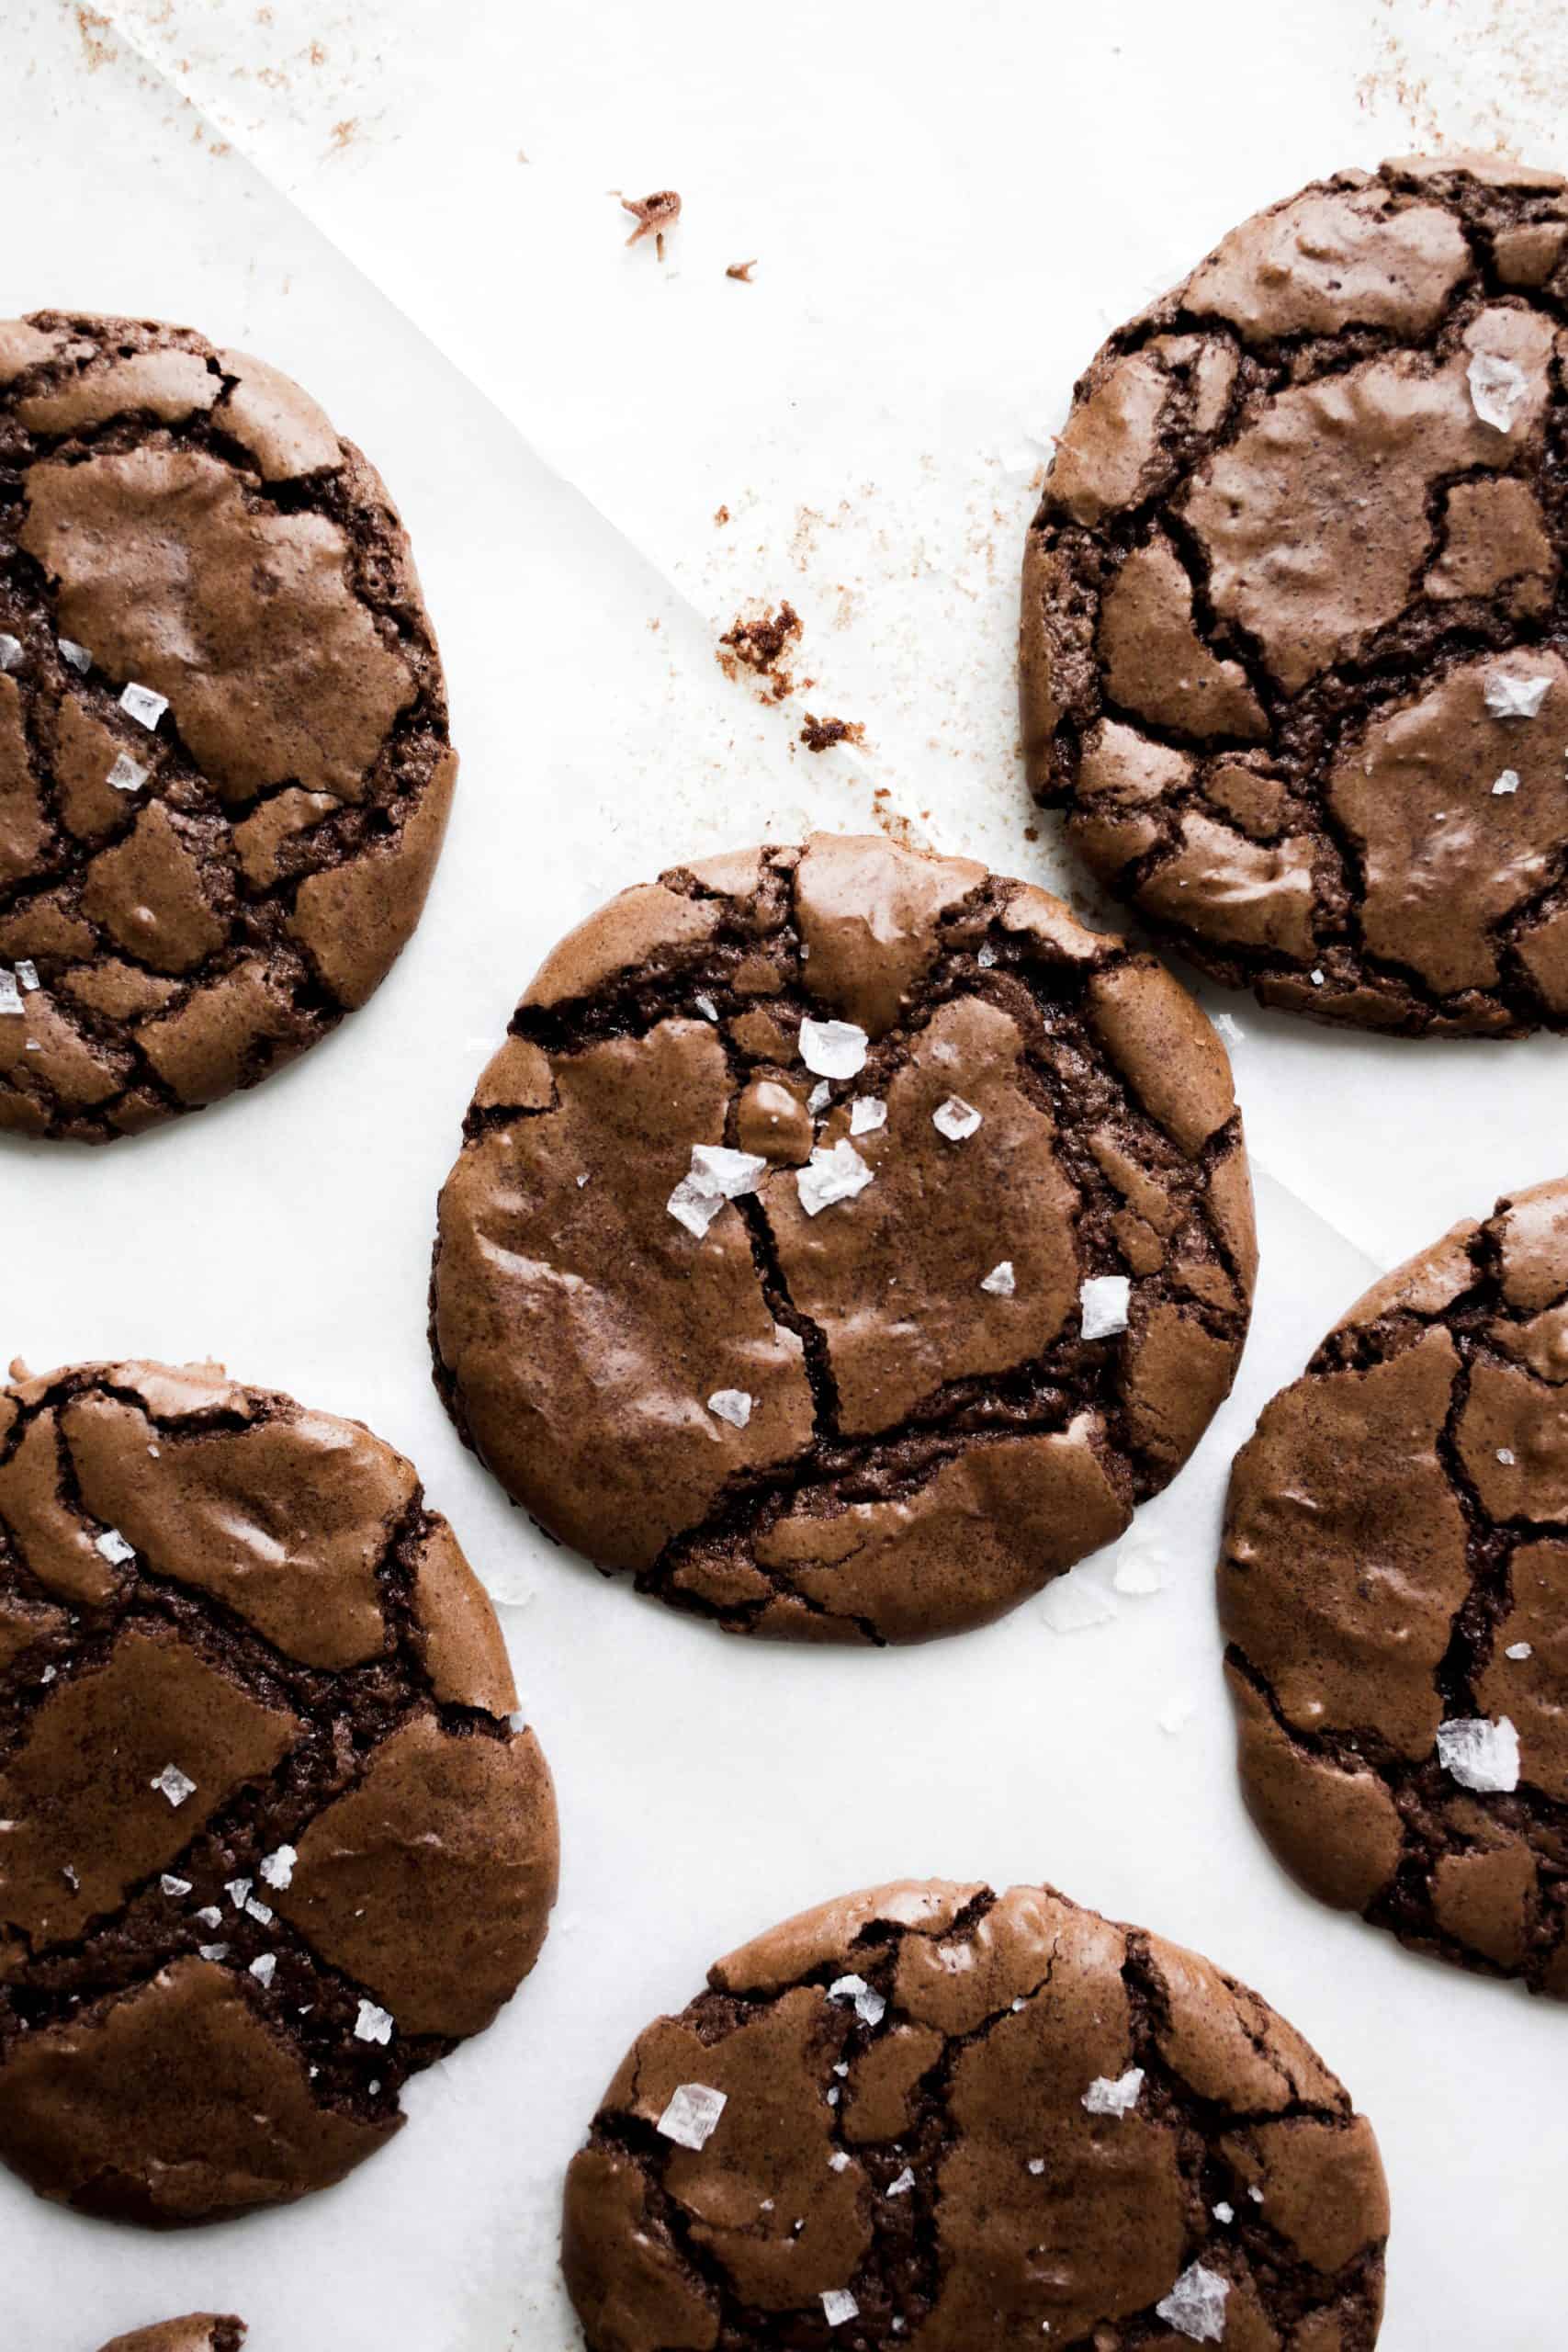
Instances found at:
x=821 y=734
x=653 y=214
x=741 y=271
x=720 y=518
x=759 y=644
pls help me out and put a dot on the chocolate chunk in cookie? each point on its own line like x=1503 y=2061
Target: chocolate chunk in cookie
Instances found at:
x=931 y=2118
x=1295 y=645
x=272 y=1837
x=844 y=1241
x=224 y=766
x=1395 y=1593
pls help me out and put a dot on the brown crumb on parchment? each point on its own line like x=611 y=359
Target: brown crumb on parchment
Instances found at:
x=720 y=518
x=741 y=271
x=821 y=734
x=653 y=214
x=761 y=645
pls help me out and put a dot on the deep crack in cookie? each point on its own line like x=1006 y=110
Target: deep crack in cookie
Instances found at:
x=272 y=1837
x=1394 y=1594
x=844 y=1241
x=1294 y=649
x=929 y=2118
x=224 y=766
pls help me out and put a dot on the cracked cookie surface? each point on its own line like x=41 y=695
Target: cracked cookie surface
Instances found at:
x=1294 y=646
x=197 y=2332
x=860 y=1399
x=935 y=2117
x=271 y=1838
x=1395 y=1595
x=224 y=766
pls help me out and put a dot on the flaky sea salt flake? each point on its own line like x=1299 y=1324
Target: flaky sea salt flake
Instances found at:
x=1507 y=782
x=902 y=2185
x=692 y=2117
x=1141 y=1567
x=1118 y=2096
x=1505 y=1457
x=277 y=1867
x=1223 y=2213
x=212 y=1951
x=985 y=956
x=373 y=2024
x=238 y=1892
x=1229 y=1028
x=707 y=1008
x=210 y=1915
x=28 y=974
x=1196 y=2305
x=1105 y=1299
x=866 y=1114
x=173 y=1784
x=869 y=2006
x=1511 y=698
x=1480 y=1755
x=143 y=705
x=731 y=1405
x=838 y=2161
x=10 y=994
x=126 y=776
x=833 y=1048
x=1520 y=1650
x=260 y=1912
x=716 y=1174
x=829 y=1176
x=78 y=656
x=955 y=1119
x=10 y=651
x=171 y=1886
x=1036 y=2165
x=1001 y=1283
x=1071 y=1604
x=112 y=1544
x=819 y=1097
x=1497 y=389
x=839 y=2306
x=265 y=1967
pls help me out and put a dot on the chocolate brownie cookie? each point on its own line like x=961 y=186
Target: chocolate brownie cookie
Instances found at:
x=1295 y=644
x=202 y=2332
x=272 y=1835
x=844 y=1241
x=224 y=769
x=1395 y=1593
x=931 y=2118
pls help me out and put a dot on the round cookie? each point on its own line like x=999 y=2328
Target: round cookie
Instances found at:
x=272 y=1837
x=1395 y=1595
x=931 y=2118
x=224 y=766
x=1294 y=645
x=865 y=1356
x=199 y=2332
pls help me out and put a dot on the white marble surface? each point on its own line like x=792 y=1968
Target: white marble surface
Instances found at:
x=408 y=207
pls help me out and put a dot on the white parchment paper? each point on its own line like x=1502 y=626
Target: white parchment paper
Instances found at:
x=409 y=209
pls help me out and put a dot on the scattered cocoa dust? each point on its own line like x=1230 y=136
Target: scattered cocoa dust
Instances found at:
x=821 y=734
x=92 y=27
x=344 y=133
x=761 y=644
x=653 y=214
x=894 y=824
